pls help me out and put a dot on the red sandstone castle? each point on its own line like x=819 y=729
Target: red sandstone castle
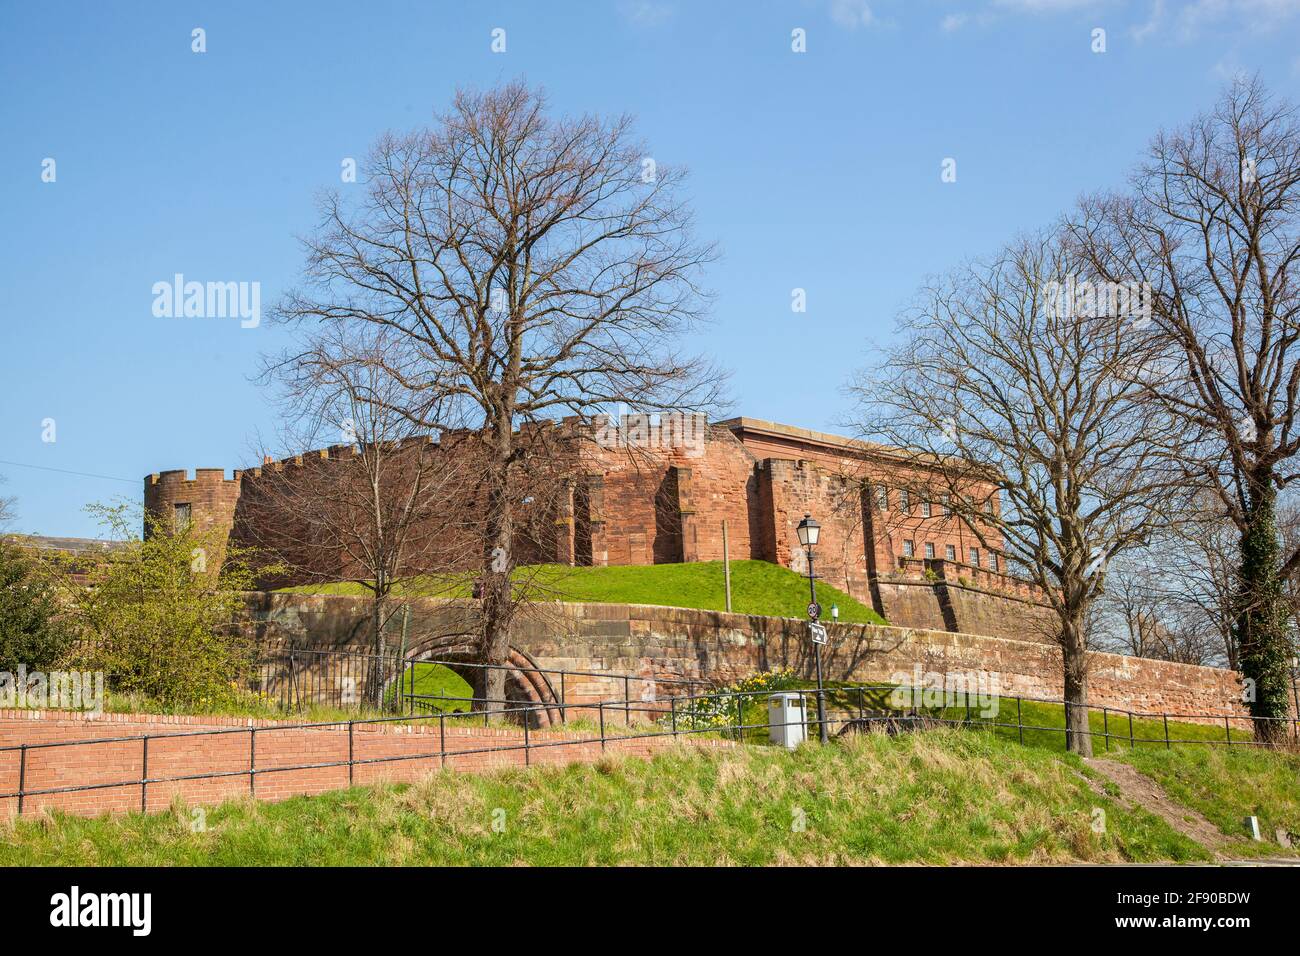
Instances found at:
x=884 y=540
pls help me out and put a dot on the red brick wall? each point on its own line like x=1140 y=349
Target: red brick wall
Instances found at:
x=277 y=745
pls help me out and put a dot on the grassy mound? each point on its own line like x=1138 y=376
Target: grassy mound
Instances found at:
x=757 y=587
x=944 y=796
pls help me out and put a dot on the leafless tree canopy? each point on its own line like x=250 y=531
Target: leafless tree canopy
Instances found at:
x=993 y=381
x=528 y=265
x=523 y=267
x=372 y=507
x=1212 y=225
x=6 y=510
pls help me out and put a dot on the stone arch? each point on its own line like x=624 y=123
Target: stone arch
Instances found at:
x=524 y=683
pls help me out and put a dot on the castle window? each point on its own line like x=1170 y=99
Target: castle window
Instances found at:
x=950 y=552
x=925 y=508
x=909 y=549
x=975 y=556
x=945 y=505
x=929 y=549
x=181 y=516
x=993 y=560
x=882 y=498
x=904 y=501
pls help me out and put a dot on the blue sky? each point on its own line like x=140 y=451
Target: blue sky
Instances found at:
x=817 y=170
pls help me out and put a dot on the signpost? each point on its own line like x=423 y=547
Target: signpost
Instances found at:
x=818 y=632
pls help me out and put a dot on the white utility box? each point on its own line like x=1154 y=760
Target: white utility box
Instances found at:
x=787 y=720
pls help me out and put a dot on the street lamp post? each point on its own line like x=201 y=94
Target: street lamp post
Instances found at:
x=809 y=530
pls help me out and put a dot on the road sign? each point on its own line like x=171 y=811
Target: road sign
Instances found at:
x=814 y=610
x=818 y=632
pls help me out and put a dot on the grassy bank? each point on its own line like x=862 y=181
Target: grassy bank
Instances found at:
x=1035 y=723
x=1227 y=785
x=941 y=797
x=757 y=587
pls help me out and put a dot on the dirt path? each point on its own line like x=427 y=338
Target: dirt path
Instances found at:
x=1139 y=790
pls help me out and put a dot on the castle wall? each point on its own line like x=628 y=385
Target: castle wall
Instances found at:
x=667 y=505
x=650 y=642
x=212 y=496
x=648 y=497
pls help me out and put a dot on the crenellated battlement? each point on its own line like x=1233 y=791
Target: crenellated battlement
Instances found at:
x=206 y=498
x=194 y=476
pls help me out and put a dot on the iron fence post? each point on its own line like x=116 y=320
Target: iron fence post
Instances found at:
x=1105 y=726
x=1227 y=731
x=351 y=754
x=1067 y=725
x=1131 y=744
x=673 y=702
x=627 y=700
x=564 y=710
x=528 y=753
x=144 y=776
x=600 y=708
x=1020 y=724
x=22 y=776
x=252 y=760
x=1168 y=746
x=442 y=737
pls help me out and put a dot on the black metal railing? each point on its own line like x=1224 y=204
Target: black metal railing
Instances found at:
x=293 y=679
x=725 y=713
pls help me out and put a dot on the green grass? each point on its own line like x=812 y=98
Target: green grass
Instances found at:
x=946 y=796
x=1044 y=723
x=757 y=587
x=1226 y=785
x=435 y=680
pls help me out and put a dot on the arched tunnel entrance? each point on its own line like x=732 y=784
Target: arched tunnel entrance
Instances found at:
x=526 y=684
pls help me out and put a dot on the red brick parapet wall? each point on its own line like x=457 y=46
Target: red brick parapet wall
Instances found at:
x=180 y=753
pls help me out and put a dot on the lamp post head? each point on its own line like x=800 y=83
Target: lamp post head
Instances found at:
x=835 y=612
x=808 y=531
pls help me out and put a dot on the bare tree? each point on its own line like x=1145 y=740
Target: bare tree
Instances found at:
x=1133 y=597
x=1154 y=606
x=995 y=380
x=7 y=514
x=527 y=267
x=1212 y=226
x=1200 y=574
x=372 y=507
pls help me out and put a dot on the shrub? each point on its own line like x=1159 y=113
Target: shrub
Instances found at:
x=718 y=711
x=157 y=615
x=32 y=632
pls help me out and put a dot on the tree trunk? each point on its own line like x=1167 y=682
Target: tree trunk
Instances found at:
x=1074 y=655
x=376 y=676
x=498 y=561
x=1263 y=646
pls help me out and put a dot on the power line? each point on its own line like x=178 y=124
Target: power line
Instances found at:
x=65 y=471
